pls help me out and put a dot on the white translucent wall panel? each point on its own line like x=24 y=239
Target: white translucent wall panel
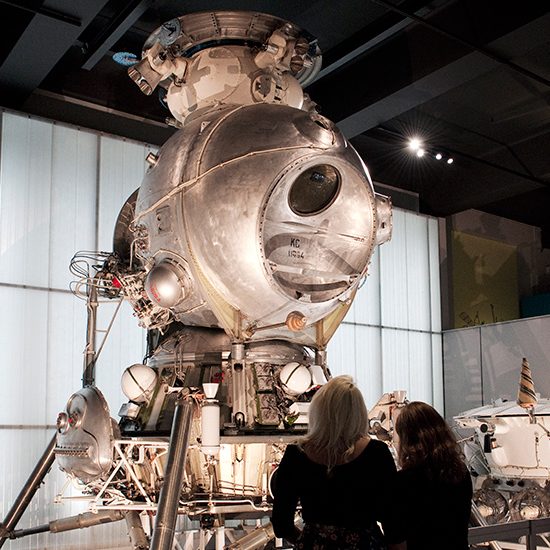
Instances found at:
x=368 y=371
x=437 y=372
x=47 y=200
x=408 y=364
x=393 y=275
x=122 y=167
x=433 y=268
x=420 y=367
x=42 y=340
x=66 y=343
x=462 y=370
x=406 y=300
x=124 y=347
x=395 y=355
x=49 y=183
x=23 y=356
x=418 y=272
x=341 y=351
x=73 y=199
x=503 y=346
x=25 y=188
x=366 y=306
x=355 y=350
x=483 y=364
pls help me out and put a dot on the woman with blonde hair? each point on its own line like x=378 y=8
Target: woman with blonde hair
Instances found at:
x=340 y=477
x=433 y=486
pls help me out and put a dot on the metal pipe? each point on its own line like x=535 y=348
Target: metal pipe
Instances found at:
x=165 y=523
x=137 y=535
x=87 y=519
x=88 y=377
x=20 y=533
x=254 y=540
x=28 y=491
x=81 y=521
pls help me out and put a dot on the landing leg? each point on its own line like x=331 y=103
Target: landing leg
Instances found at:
x=29 y=489
x=165 y=524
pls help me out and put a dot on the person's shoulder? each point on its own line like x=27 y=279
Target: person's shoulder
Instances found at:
x=378 y=443
x=293 y=450
x=377 y=452
x=412 y=481
x=378 y=447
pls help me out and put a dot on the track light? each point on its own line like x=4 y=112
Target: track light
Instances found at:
x=415 y=144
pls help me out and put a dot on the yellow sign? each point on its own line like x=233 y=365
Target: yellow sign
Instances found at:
x=485 y=280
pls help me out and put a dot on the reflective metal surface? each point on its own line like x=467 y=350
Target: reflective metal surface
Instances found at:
x=85 y=436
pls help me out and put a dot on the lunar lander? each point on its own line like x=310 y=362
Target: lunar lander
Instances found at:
x=240 y=254
x=510 y=455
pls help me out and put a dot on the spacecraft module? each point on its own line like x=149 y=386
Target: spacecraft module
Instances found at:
x=510 y=457
x=240 y=253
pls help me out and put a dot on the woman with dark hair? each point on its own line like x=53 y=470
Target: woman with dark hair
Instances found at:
x=340 y=476
x=433 y=486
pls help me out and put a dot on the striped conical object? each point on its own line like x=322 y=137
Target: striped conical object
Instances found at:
x=526 y=393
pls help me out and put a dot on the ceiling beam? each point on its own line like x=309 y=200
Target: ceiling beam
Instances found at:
x=463 y=69
x=97 y=117
x=115 y=30
x=41 y=45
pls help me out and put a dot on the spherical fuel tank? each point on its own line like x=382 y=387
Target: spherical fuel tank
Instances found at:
x=265 y=210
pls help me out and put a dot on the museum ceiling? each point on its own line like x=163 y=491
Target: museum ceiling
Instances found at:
x=469 y=77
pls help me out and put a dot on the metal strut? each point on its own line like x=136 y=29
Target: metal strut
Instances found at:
x=88 y=377
x=167 y=512
x=137 y=535
x=27 y=492
x=80 y=521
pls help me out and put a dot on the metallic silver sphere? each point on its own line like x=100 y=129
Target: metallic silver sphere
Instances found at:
x=165 y=285
x=272 y=211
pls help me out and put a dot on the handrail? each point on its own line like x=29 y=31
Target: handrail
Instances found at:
x=514 y=529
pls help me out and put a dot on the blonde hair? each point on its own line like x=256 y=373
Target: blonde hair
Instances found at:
x=338 y=417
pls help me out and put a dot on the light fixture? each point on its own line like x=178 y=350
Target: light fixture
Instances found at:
x=415 y=144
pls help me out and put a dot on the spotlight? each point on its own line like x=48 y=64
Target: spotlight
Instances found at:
x=415 y=144
x=438 y=156
x=450 y=160
x=420 y=152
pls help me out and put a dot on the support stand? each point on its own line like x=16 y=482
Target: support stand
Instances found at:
x=167 y=512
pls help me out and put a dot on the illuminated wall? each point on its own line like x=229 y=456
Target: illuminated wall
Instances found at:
x=391 y=337
x=61 y=189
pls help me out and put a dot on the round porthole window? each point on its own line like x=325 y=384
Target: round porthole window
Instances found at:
x=314 y=190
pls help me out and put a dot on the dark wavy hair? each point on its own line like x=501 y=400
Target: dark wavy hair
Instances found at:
x=427 y=442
